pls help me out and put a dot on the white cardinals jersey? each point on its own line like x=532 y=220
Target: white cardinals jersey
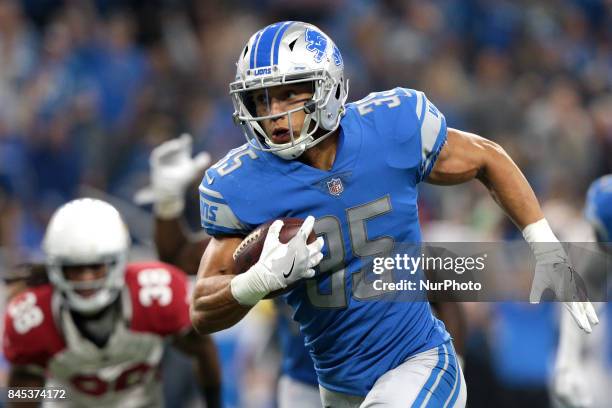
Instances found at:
x=41 y=332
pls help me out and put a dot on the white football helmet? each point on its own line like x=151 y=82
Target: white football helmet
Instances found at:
x=87 y=232
x=286 y=53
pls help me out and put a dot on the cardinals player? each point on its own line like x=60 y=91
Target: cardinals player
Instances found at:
x=99 y=329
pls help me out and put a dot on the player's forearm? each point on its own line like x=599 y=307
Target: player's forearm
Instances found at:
x=508 y=186
x=177 y=247
x=170 y=238
x=188 y=258
x=209 y=373
x=207 y=368
x=214 y=308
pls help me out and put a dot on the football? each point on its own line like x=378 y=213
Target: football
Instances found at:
x=249 y=250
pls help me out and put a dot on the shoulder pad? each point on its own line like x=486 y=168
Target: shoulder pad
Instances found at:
x=227 y=191
x=408 y=126
x=30 y=333
x=159 y=298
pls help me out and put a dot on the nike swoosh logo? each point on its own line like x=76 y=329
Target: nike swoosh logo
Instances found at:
x=286 y=275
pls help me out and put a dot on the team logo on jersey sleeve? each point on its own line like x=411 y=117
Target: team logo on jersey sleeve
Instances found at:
x=335 y=186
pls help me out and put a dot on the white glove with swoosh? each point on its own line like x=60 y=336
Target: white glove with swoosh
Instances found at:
x=279 y=265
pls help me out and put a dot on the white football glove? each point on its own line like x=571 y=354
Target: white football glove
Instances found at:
x=279 y=264
x=172 y=171
x=553 y=271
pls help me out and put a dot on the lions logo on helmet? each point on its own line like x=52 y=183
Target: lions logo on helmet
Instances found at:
x=288 y=53
x=316 y=43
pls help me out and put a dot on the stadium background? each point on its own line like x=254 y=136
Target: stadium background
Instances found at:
x=88 y=88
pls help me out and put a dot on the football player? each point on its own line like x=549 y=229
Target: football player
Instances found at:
x=99 y=328
x=172 y=170
x=355 y=168
x=577 y=354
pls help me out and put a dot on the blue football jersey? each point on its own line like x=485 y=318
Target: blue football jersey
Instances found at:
x=295 y=361
x=364 y=206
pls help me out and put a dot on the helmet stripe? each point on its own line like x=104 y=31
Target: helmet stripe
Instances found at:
x=278 y=38
x=252 y=51
x=264 y=46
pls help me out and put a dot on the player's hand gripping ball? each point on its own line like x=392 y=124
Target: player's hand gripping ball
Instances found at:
x=249 y=251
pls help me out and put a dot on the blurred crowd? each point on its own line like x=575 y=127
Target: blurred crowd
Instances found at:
x=89 y=87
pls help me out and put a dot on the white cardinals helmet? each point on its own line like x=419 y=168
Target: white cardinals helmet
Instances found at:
x=87 y=232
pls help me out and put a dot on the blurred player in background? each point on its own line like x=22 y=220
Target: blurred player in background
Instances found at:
x=356 y=168
x=577 y=353
x=100 y=327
